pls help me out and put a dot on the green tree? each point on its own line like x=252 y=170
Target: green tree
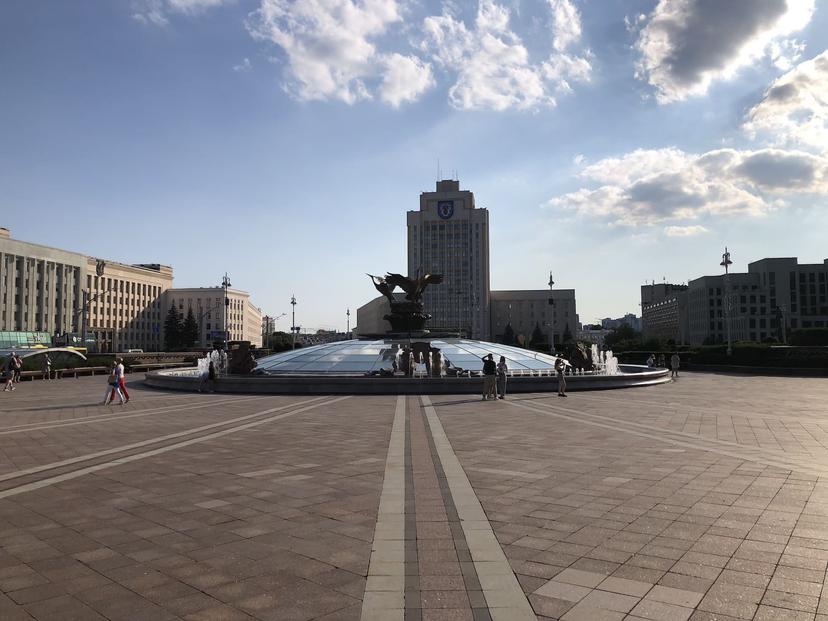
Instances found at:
x=623 y=337
x=280 y=341
x=189 y=331
x=538 y=337
x=508 y=335
x=173 y=329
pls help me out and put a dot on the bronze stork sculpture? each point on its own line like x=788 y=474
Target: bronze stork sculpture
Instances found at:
x=406 y=315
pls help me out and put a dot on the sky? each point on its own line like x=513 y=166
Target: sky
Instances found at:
x=614 y=142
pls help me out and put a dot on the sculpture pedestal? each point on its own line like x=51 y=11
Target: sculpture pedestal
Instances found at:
x=407 y=317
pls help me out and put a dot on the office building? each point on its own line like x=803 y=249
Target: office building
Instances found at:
x=244 y=320
x=552 y=311
x=593 y=334
x=41 y=288
x=629 y=320
x=775 y=296
x=63 y=293
x=664 y=312
x=369 y=317
x=449 y=235
x=125 y=304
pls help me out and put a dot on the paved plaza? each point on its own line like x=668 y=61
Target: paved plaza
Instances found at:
x=702 y=499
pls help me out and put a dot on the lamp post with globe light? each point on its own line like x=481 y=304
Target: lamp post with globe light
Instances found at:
x=728 y=302
x=225 y=282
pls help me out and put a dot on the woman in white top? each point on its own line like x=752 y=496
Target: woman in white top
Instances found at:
x=502 y=368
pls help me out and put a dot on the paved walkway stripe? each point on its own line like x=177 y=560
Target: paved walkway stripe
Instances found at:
x=61 y=400
x=165 y=449
x=127 y=447
x=471 y=581
x=85 y=420
x=502 y=591
x=689 y=408
x=694 y=442
x=384 y=598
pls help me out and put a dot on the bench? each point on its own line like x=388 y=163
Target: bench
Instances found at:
x=30 y=375
x=137 y=368
x=78 y=371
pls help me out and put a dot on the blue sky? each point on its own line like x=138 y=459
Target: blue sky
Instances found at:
x=614 y=142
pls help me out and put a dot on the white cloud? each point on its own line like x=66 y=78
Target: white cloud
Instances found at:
x=685 y=45
x=684 y=231
x=405 y=78
x=244 y=66
x=156 y=11
x=150 y=12
x=331 y=49
x=566 y=24
x=794 y=110
x=191 y=6
x=669 y=186
x=492 y=65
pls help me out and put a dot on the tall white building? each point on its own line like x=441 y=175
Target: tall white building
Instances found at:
x=450 y=236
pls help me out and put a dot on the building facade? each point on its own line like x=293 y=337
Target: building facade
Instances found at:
x=370 y=317
x=593 y=334
x=450 y=236
x=664 y=312
x=49 y=290
x=125 y=304
x=552 y=311
x=244 y=320
x=41 y=288
x=775 y=296
x=629 y=319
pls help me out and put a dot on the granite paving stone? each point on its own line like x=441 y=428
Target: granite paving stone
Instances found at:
x=703 y=499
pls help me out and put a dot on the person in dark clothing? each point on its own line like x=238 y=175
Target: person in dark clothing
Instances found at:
x=489 y=377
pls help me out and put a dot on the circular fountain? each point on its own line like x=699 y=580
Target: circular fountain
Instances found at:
x=421 y=365
x=411 y=360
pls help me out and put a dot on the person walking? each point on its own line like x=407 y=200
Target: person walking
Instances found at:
x=8 y=373
x=112 y=385
x=675 y=361
x=489 y=377
x=211 y=375
x=502 y=368
x=18 y=367
x=560 y=367
x=120 y=372
x=47 y=367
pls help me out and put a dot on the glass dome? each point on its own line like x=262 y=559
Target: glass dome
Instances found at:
x=358 y=357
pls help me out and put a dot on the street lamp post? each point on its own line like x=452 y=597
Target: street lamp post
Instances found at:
x=225 y=282
x=348 y=324
x=552 y=322
x=726 y=263
x=294 y=329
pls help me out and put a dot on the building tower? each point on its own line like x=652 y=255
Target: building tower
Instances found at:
x=449 y=236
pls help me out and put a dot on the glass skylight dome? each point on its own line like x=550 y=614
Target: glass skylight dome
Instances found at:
x=358 y=357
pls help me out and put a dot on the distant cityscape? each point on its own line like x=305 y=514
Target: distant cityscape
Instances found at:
x=107 y=306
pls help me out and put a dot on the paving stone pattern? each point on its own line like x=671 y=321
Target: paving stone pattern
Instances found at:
x=703 y=499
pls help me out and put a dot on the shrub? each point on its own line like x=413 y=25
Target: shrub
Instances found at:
x=809 y=336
